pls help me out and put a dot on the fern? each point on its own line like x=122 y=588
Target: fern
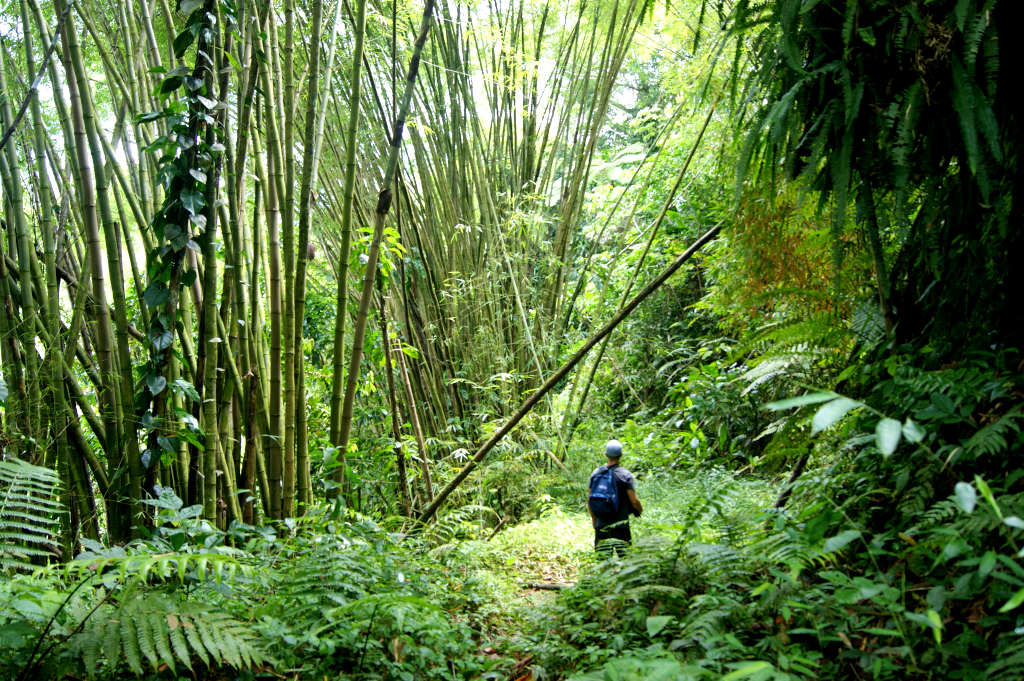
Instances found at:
x=994 y=438
x=216 y=567
x=29 y=510
x=154 y=629
x=454 y=524
x=1009 y=661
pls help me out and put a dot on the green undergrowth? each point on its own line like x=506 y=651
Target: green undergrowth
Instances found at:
x=318 y=597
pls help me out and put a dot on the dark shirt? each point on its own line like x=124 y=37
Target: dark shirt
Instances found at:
x=624 y=480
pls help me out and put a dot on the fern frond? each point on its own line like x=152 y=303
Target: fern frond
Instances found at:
x=993 y=438
x=143 y=567
x=153 y=629
x=29 y=522
x=456 y=524
x=1009 y=661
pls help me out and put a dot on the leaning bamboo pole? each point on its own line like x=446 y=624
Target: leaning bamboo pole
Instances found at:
x=562 y=371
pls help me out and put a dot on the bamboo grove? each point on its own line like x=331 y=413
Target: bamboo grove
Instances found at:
x=180 y=178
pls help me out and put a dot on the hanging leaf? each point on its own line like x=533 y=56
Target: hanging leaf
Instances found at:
x=169 y=85
x=182 y=42
x=163 y=340
x=809 y=398
x=913 y=432
x=189 y=6
x=887 y=435
x=840 y=540
x=966 y=496
x=831 y=412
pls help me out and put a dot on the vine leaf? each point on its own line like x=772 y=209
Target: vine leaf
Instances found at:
x=156 y=383
x=193 y=201
x=156 y=294
x=189 y=6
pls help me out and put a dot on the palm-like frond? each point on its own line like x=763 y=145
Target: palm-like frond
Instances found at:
x=29 y=514
x=152 y=629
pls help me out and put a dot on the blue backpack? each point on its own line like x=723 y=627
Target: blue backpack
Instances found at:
x=604 y=493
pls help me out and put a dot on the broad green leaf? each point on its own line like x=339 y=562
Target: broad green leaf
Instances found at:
x=656 y=624
x=188 y=6
x=809 y=398
x=913 y=432
x=887 y=435
x=747 y=669
x=1014 y=601
x=840 y=540
x=1013 y=521
x=966 y=496
x=831 y=412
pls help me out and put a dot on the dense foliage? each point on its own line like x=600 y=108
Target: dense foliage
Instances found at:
x=248 y=356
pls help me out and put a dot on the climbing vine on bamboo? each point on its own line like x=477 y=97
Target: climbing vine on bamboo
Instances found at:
x=190 y=155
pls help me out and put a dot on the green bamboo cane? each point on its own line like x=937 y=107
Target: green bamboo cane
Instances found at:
x=340 y=311
x=383 y=204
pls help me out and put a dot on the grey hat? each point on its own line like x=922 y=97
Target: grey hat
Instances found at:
x=613 y=449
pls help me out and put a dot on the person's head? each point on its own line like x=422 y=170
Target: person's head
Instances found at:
x=613 y=450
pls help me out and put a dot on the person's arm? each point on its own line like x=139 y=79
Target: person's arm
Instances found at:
x=638 y=508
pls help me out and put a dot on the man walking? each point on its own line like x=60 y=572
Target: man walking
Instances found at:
x=612 y=499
